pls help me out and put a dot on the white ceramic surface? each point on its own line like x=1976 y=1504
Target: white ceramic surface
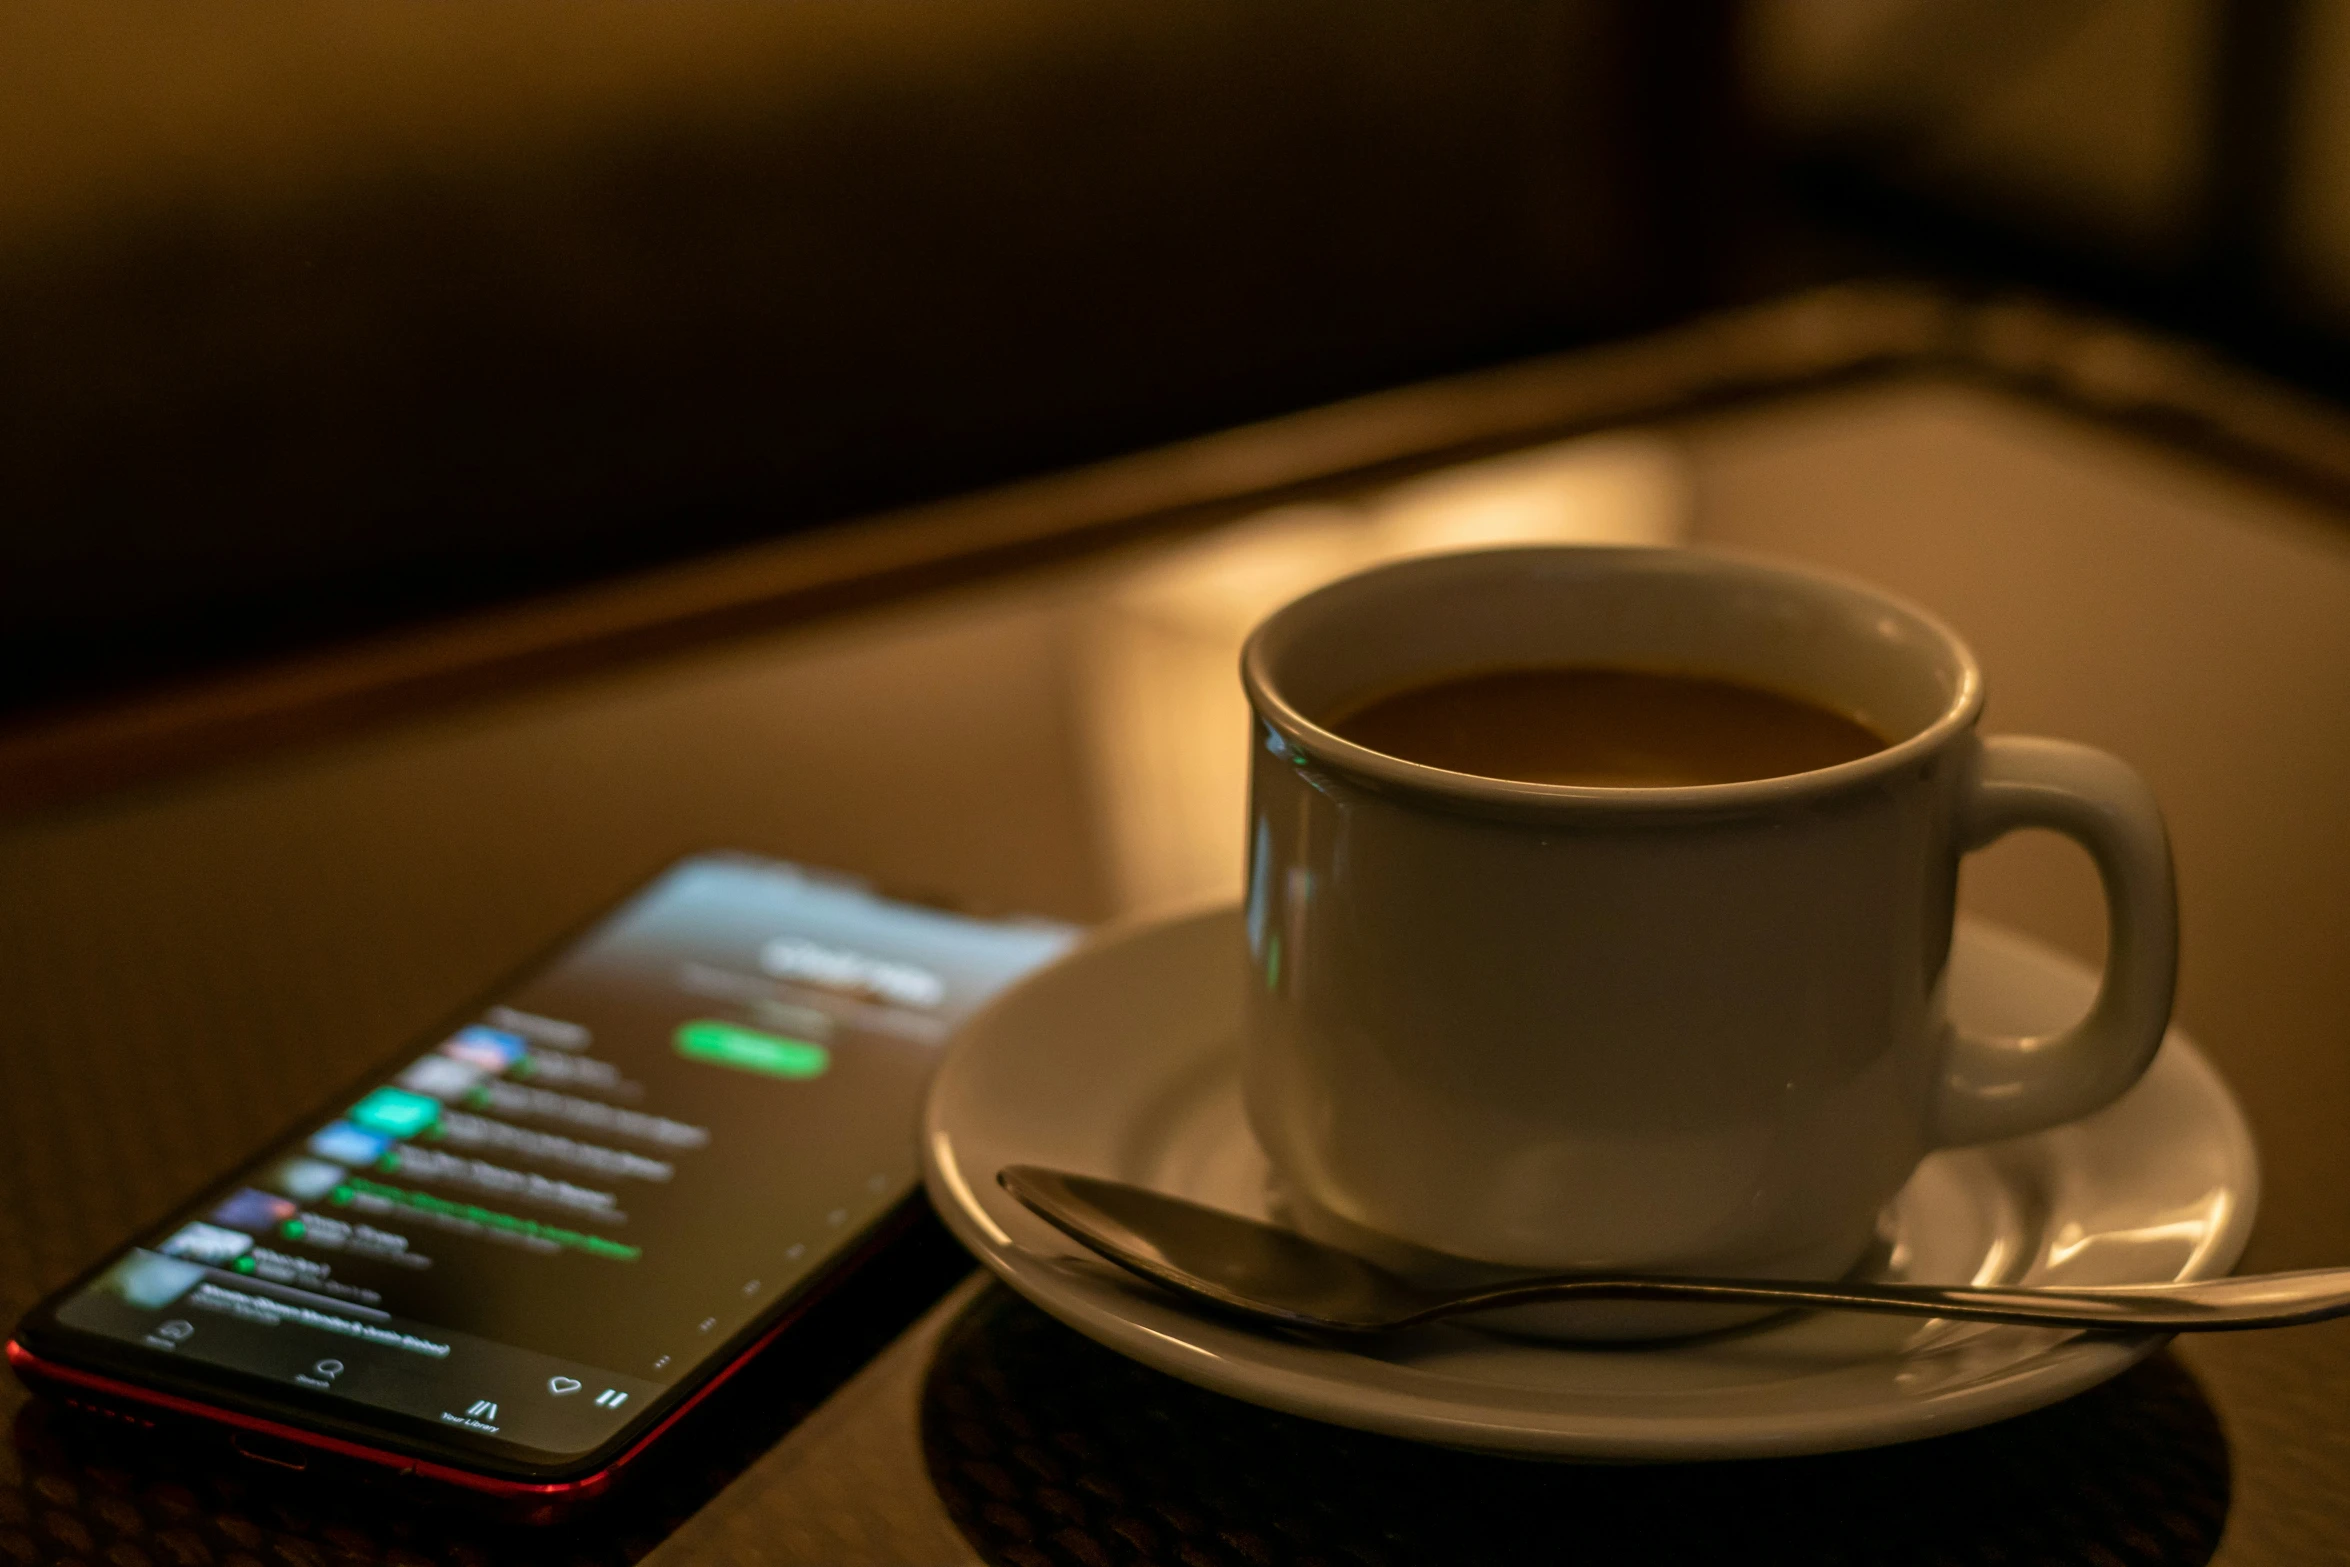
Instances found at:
x=1123 y=1060
x=1689 y=1029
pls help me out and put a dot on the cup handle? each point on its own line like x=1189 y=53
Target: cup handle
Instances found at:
x=1992 y=1087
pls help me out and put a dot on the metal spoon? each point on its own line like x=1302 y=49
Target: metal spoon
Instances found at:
x=1239 y=1265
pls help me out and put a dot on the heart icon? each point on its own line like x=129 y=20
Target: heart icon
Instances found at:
x=562 y=1385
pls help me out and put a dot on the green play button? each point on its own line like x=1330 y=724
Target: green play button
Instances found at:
x=748 y=1050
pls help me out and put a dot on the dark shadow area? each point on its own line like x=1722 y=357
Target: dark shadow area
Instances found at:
x=889 y=255
x=416 y=346
x=1049 y=1449
x=1898 y=181
x=78 y=1487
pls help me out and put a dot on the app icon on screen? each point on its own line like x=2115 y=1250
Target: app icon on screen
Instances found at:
x=252 y=1210
x=395 y=1112
x=147 y=1280
x=347 y=1144
x=208 y=1244
x=440 y=1077
x=487 y=1048
x=491 y=1049
x=305 y=1180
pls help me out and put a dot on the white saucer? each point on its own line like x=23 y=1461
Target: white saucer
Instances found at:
x=1121 y=1060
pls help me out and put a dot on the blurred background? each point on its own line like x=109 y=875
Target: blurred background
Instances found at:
x=326 y=319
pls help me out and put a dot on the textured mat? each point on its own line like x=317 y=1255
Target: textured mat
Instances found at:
x=83 y=1490
x=1051 y=1451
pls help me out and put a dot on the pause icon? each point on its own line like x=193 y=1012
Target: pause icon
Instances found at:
x=611 y=1398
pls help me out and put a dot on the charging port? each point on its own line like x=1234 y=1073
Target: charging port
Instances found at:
x=278 y=1455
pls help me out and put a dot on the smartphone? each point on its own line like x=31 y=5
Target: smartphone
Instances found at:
x=504 y=1264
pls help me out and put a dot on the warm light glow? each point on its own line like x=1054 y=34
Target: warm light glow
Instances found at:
x=1159 y=681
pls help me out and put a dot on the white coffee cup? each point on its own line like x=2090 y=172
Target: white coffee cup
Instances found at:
x=1695 y=1030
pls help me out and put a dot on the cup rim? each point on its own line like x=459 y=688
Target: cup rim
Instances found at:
x=1517 y=797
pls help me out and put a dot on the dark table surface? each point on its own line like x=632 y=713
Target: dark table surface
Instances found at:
x=188 y=961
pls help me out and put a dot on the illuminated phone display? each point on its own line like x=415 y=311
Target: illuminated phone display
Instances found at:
x=532 y=1230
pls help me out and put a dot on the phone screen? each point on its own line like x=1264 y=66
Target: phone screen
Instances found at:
x=518 y=1241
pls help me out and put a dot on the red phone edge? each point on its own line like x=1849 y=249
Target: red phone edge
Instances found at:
x=535 y=1502
x=540 y=1502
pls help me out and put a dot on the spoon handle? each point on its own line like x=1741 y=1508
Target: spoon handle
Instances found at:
x=2265 y=1300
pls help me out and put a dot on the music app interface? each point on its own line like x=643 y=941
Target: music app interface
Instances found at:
x=550 y=1216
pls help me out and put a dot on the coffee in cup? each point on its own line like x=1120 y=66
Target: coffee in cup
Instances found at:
x=1603 y=728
